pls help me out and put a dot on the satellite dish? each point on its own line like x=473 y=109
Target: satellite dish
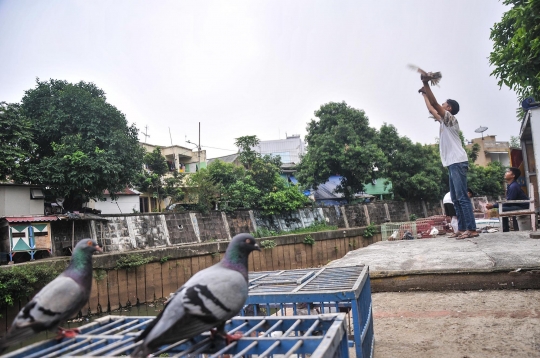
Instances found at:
x=481 y=130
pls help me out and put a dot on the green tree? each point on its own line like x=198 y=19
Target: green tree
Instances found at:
x=83 y=144
x=15 y=140
x=486 y=180
x=516 y=48
x=245 y=146
x=340 y=142
x=153 y=178
x=203 y=191
x=415 y=170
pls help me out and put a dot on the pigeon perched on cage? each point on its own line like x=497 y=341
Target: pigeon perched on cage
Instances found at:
x=60 y=300
x=207 y=300
x=433 y=77
x=408 y=236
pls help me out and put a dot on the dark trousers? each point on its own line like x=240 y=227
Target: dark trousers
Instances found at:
x=505 y=222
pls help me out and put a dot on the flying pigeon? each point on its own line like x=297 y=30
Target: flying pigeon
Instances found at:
x=206 y=300
x=434 y=77
x=60 y=300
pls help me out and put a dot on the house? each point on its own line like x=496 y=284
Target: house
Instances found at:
x=21 y=200
x=127 y=201
x=491 y=150
x=231 y=158
x=24 y=230
x=181 y=159
x=289 y=149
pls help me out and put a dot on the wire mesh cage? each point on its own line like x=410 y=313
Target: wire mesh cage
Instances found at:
x=317 y=291
x=322 y=336
x=398 y=231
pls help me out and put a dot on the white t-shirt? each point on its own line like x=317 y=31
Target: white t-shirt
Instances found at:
x=450 y=147
x=447 y=199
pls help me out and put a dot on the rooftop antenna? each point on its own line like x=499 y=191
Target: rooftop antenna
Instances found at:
x=173 y=153
x=145 y=134
x=481 y=130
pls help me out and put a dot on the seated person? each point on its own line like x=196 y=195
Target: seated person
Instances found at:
x=513 y=192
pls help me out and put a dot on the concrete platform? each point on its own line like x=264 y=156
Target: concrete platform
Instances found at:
x=490 y=261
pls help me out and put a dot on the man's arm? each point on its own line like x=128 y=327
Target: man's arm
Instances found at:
x=430 y=108
x=432 y=100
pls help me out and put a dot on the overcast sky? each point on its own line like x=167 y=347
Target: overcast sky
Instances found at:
x=260 y=67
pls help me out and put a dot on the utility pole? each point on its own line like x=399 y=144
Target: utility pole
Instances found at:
x=174 y=151
x=145 y=134
x=199 y=146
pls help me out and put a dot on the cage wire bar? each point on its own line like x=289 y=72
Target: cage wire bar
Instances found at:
x=317 y=291
x=396 y=231
x=321 y=336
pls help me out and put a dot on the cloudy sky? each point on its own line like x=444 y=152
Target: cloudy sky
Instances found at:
x=260 y=67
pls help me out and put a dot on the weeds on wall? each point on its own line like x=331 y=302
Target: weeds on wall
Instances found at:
x=308 y=240
x=268 y=244
x=132 y=261
x=316 y=227
x=413 y=217
x=370 y=231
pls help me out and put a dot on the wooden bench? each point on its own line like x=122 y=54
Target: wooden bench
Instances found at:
x=531 y=210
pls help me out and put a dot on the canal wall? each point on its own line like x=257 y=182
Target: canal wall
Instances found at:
x=161 y=271
x=122 y=233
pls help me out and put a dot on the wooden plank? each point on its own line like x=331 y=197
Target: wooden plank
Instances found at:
x=309 y=255
x=131 y=276
x=276 y=254
x=292 y=254
x=181 y=272
x=173 y=276
x=324 y=252
x=166 y=289
x=195 y=265
x=303 y=254
x=93 y=300
x=209 y=260
x=122 y=287
x=257 y=256
x=262 y=260
x=153 y=281
x=103 y=295
x=141 y=284
x=112 y=286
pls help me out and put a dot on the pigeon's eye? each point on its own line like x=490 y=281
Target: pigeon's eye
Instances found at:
x=90 y=243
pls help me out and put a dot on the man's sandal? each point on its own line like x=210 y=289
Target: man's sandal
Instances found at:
x=456 y=234
x=467 y=235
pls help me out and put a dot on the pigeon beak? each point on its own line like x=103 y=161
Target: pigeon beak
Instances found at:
x=99 y=248
x=257 y=247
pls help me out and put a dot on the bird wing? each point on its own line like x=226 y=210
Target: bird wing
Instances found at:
x=59 y=300
x=417 y=69
x=208 y=299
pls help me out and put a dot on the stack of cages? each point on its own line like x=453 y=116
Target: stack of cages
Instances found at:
x=329 y=290
x=432 y=226
x=399 y=231
x=323 y=336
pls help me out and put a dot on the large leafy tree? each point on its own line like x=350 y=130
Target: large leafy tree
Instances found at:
x=84 y=145
x=15 y=140
x=341 y=142
x=516 y=48
x=415 y=170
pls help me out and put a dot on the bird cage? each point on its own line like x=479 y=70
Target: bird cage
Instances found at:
x=320 y=336
x=317 y=291
x=398 y=231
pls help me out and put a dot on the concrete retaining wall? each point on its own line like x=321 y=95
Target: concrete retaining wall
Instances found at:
x=121 y=233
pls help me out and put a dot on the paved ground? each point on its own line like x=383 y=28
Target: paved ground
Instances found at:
x=485 y=253
x=503 y=323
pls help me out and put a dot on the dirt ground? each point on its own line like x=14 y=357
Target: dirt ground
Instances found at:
x=457 y=324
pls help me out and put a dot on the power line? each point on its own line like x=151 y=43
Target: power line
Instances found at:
x=231 y=150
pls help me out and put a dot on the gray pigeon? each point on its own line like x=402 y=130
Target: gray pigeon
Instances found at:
x=60 y=300
x=207 y=300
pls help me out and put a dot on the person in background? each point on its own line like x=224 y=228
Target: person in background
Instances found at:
x=470 y=193
x=513 y=192
x=451 y=212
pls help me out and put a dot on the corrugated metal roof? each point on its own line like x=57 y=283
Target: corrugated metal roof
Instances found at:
x=27 y=219
x=226 y=158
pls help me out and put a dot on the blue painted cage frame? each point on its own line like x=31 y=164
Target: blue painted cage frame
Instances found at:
x=322 y=336
x=314 y=291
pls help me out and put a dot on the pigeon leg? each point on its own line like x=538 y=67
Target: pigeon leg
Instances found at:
x=220 y=331
x=66 y=333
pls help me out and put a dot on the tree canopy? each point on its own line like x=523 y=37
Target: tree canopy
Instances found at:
x=83 y=145
x=516 y=48
x=341 y=142
x=15 y=140
x=415 y=170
